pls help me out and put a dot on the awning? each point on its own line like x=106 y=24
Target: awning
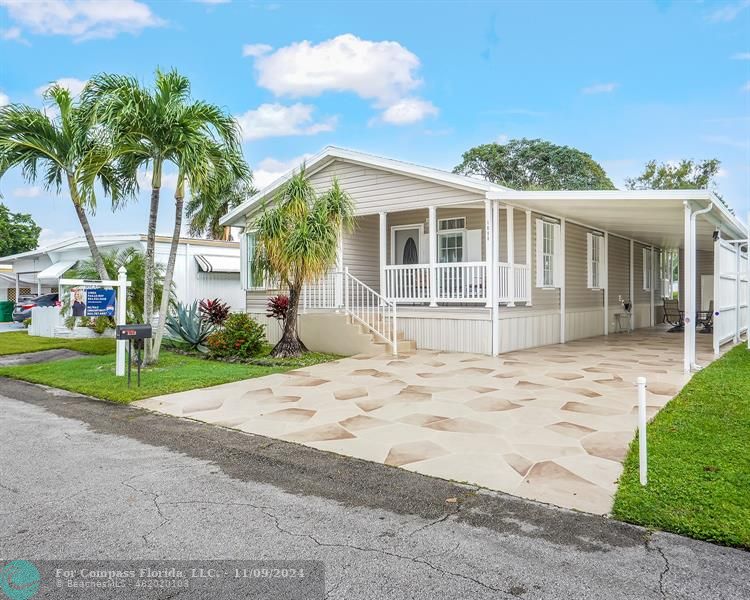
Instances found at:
x=218 y=264
x=55 y=271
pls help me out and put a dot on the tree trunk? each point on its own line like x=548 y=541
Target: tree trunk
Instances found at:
x=148 y=278
x=96 y=256
x=290 y=345
x=168 y=275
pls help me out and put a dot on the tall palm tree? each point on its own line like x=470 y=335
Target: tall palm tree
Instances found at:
x=296 y=241
x=153 y=127
x=66 y=149
x=205 y=209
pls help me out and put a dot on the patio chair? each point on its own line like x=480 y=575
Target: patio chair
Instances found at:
x=673 y=315
x=706 y=318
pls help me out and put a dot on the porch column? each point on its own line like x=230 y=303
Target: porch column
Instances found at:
x=490 y=275
x=18 y=286
x=738 y=279
x=511 y=256
x=716 y=293
x=652 y=320
x=689 y=284
x=339 y=281
x=383 y=255
x=631 y=288
x=529 y=278
x=562 y=281
x=432 y=239
x=38 y=287
x=605 y=283
x=495 y=247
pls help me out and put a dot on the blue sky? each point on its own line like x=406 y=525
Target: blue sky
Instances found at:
x=624 y=81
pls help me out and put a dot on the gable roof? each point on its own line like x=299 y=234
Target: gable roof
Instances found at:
x=330 y=154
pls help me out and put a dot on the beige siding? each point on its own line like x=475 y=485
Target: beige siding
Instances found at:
x=519 y=236
x=577 y=293
x=619 y=271
x=362 y=251
x=375 y=190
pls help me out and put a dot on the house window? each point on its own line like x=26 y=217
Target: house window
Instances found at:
x=451 y=240
x=254 y=276
x=595 y=260
x=647 y=271
x=548 y=254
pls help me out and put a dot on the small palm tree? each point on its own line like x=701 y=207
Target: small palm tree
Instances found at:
x=297 y=242
x=205 y=209
x=135 y=266
x=154 y=127
x=66 y=149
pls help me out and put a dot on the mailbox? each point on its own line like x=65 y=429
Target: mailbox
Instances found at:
x=133 y=332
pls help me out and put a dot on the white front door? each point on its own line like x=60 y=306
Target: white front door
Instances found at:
x=406 y=246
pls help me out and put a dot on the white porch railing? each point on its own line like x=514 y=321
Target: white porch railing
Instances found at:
x=408 y=283
x=462 y=282
x=324 y=293
x=521 y=280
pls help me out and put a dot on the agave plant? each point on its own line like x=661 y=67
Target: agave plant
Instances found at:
x=186 y=326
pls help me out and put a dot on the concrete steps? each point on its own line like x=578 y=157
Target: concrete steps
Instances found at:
x=403 y=346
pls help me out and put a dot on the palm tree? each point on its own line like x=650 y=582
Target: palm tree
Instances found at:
x=205 y=209
x=134 y=262
x=65 y=148
x=296 y=242
x=159 y=126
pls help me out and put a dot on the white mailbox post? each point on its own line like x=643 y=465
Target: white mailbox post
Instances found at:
x=121 y=284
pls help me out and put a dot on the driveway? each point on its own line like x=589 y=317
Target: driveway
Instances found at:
x=551 y=423
x=83 y=479
x=11 y=326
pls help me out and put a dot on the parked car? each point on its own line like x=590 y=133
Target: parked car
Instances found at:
x=22 y=310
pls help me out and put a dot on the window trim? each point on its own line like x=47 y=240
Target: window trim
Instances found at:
x=248 y=271
x=456 y=230
x=595 y=243
x=647 y=281
x=394 y=228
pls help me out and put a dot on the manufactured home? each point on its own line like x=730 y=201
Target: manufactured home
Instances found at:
x=453 y=263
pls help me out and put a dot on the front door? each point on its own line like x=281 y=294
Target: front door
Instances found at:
x=406 y=244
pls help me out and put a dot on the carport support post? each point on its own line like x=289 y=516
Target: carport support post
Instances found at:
x=121 y=312
x=562 y=281
x=716 y=293
x=689 y=285
x=488 y=253
x=494 y=248
x=738 y=289
x=511 y=244
x=652 y=316
x=18 y=287
x=631 y=287
x=606 y=283
x=432 y=238
x=529 y=278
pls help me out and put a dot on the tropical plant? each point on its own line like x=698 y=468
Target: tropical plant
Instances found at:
x=205 y=208
x=186 y=326
x=154 y=127
x=277 y=307
x=18 y=232
x=297 y=242
x=214 y=311
x=134 y=262
x=63 y=145
x=241 y=337
x=534 y=165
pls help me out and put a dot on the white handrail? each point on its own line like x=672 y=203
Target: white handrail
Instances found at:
x=371 y=309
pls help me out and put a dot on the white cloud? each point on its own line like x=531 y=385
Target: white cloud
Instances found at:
x=728 y=12
x=725 y=140
x=741 y=56
x=31 y=191
x=47 y=236
x=82 y=19
x=409 y=110
x=270 y=169
x=75 y=86
x=4 y=99
x=600 y=88
x=212 y=1
x=256 y=49
x=14 y=34
x=746 y=87
x=277 y=120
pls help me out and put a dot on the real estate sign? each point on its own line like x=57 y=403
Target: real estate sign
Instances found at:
x=92 y=302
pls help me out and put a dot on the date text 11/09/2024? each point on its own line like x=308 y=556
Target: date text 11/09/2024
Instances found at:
x=193 y=573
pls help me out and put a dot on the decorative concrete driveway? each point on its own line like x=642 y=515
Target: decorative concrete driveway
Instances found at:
x=551 y=423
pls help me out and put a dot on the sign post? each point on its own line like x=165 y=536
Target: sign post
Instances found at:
x=121 y=284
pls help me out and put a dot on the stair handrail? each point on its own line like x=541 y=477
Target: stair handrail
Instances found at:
x=381 y=306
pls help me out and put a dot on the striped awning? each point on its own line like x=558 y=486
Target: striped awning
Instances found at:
x=218 y=264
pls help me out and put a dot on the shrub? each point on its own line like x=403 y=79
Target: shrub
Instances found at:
x=185 y=324
x=277 y=307
x=241 y=337
x=99 y=324
x=27 y=322
x=214 y=311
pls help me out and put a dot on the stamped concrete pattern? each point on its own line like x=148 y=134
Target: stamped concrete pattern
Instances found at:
x=551 y=423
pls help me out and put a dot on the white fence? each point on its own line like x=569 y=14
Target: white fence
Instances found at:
x=44 y=321
x=731 y=292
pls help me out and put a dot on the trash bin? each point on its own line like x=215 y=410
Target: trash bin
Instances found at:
x=6 y=311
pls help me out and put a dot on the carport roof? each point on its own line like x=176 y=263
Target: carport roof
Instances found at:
x=654 y=217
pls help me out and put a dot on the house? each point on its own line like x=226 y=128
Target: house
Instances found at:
x=204 y=268
x=456 y=263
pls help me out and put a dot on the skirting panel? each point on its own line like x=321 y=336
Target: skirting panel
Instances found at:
x=529 y=330
x=584 y=323
x=448 y=334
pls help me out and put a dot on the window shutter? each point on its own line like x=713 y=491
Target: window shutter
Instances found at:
x=557 y=261
x=243 y=261
x=646 y=269
x=474 y=245
x=602 y=259
x=539 y=259
x=589 y=260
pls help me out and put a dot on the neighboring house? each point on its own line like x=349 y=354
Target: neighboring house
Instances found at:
x=204 y=268
x=471 y=266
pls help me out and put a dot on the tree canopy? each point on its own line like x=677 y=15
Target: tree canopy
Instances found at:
x=18 y=232
x=524 y=164
x=684 y=175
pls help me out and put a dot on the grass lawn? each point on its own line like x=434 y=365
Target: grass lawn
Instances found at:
x=698 y=459
x=95 y=375
x=17 y=342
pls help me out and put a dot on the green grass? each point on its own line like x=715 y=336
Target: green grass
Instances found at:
x=95 y=375
x=17 y=342
x=699 y=459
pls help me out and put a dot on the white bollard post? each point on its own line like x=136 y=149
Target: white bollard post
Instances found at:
x=642 y=448
x=120 y=318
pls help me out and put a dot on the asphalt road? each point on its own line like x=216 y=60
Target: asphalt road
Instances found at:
x=83 y=479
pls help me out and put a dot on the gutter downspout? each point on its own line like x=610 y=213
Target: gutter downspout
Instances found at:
x=691 y=310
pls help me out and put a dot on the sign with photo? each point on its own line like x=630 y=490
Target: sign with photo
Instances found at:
x=92 y=302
